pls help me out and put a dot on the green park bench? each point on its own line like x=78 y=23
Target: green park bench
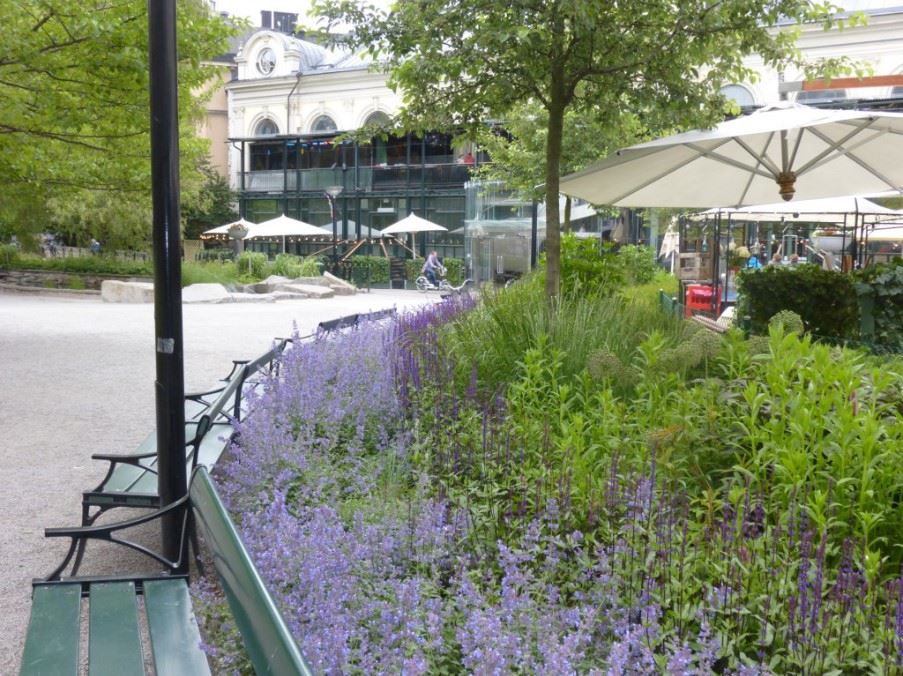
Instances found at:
x=131 y=479
x=115 y=616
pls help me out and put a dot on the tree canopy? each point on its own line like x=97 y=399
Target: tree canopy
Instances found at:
x=74 y=124
x=460 y=63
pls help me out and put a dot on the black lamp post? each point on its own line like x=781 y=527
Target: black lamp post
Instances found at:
x=332 y=192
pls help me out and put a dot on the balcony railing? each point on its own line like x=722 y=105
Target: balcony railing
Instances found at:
x=367 y=179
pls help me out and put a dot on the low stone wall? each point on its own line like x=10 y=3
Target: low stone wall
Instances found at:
x=51 y=279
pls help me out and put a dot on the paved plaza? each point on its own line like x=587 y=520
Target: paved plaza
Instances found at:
x=76 y=378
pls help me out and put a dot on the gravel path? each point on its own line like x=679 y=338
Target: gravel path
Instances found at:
x=76 y=378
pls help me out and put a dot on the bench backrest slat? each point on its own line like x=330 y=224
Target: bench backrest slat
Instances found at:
x=267 y=639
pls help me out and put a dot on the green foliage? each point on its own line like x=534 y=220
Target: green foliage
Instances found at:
x=412 y=268
x=287 y=265
x=884 y=284
x=374 y=268
x=76 y=283
x=85 y=264
x=216 y=255
x=825 y=299
x=495 y=336
x=787 y=322
x=310 y=266
x=209 y=273
x=211 y=206
x=9 y=253
x=252 y=264
x=639 y=263
x=587 y=269
x=74 y=152
x=455 y=270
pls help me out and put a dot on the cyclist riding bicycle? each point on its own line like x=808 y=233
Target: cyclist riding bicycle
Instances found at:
x=432 y=267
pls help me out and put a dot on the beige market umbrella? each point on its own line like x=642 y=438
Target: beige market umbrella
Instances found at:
x=284 y=226
x=783 y=151
x=412 y=224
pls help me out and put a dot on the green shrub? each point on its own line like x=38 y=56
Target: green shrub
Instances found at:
x=588 y=270
x=639 y=263
x=75 y=283
x=412 y=268
x=310 y=266
x=825 y=299
x=508 y=322
x=884 y=284
x=252 y=265
x=287 y=265
x=376 y=268
x=8 y=254
x=455 y=270
x=99 y=265
x=215 y=255
x=213 y=272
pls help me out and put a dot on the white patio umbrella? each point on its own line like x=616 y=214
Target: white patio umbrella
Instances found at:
x=412 y=224
x=224 y=229
x=825 y=210
x=284 y=226
x=784 y=150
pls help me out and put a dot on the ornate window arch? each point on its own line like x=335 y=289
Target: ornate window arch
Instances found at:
x=377 y=119
x=323 y=123
x=739 y=95
x=266 y=127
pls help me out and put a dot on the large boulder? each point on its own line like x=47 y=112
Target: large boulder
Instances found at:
x=206 y=293
x=309 y=290
x=340 y=286
x=267 y=285
x=115 y=291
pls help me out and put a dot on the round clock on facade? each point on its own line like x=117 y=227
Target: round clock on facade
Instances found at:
x=266 y=61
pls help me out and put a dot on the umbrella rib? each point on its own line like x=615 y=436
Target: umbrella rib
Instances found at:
x=833 y=146
x=701 y=152
x=761 y=158
x=849 y=152
x=727 y=160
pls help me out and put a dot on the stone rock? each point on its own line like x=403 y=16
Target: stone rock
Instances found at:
x=340 y=286
x=205 y=293
x=288 y=295
x=309 y=290
x=114 y=291
x=267 y=285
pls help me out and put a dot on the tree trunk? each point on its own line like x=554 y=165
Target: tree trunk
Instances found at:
x=566 y=225
x=553 y=220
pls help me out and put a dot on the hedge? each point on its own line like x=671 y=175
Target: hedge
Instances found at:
x=825 y=299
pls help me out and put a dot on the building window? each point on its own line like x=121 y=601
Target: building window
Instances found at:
x=821 y=96
x=739 y=95
x=323 y=123
x=266 y=61
x=377 y=119
x=266 y=128
x=266 y=19
x=285 y=22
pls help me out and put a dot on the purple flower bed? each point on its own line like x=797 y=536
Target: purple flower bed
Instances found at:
x=369 y=498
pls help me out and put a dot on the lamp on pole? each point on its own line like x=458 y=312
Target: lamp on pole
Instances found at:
x=332 y=192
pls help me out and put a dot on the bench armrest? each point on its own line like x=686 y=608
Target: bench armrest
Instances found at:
x=128 y=458
x=79 y=536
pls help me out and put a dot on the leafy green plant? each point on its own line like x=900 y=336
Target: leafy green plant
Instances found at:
x=639 y=263
x=209 y=273
x=374 y=268
x=8 y=253
x=884 y=284
x=587 y=269
x=84 y=264
x=825 y=299
x=252 y=265
x=287 y=265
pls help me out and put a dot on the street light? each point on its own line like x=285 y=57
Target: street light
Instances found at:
x=332 y=192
